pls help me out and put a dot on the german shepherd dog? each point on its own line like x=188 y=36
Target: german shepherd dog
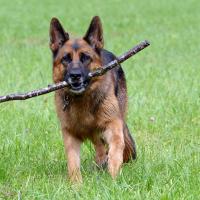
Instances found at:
x=94 y=109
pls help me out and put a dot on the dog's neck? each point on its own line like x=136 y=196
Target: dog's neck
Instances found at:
x=95 y=98
x=88 y=98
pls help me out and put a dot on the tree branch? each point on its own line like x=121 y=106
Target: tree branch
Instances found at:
x=98 y=72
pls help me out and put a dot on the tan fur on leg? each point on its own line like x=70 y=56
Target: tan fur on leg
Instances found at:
x=72 y=150
x=115 y=139
x=101 y=152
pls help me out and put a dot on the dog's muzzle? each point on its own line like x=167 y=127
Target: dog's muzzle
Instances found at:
x=77 y=81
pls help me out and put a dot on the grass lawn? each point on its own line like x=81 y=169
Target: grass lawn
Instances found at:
x=164 y=100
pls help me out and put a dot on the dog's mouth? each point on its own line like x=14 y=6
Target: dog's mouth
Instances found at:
x=78 y=88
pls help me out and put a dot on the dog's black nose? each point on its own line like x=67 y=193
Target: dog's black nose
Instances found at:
x=75 y=75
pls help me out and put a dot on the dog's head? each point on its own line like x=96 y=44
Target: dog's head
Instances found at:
x=73 y=59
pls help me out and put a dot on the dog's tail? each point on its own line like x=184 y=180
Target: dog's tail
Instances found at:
x=130 y=147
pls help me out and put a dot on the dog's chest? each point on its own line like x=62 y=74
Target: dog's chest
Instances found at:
x=81 y=115
x=81 y=119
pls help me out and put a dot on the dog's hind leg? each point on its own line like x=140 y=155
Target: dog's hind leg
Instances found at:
x=101 y=156
x=130 y=147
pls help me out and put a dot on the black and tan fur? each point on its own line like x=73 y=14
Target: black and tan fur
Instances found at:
x=95 y=109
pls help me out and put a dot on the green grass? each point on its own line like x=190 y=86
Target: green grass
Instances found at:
x=164 y=100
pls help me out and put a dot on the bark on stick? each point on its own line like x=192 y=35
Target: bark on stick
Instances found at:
x=98 y=72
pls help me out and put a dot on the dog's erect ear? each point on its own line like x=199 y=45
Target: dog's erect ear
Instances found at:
x=94 y=34
x=58 y=36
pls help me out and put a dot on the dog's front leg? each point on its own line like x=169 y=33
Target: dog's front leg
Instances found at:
x=115 y=139
x=72 y=150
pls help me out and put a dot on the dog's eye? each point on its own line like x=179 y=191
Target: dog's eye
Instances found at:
x=84 y=57
x=66 y=59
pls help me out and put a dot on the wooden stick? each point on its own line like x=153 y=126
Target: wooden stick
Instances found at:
x=98 y=72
